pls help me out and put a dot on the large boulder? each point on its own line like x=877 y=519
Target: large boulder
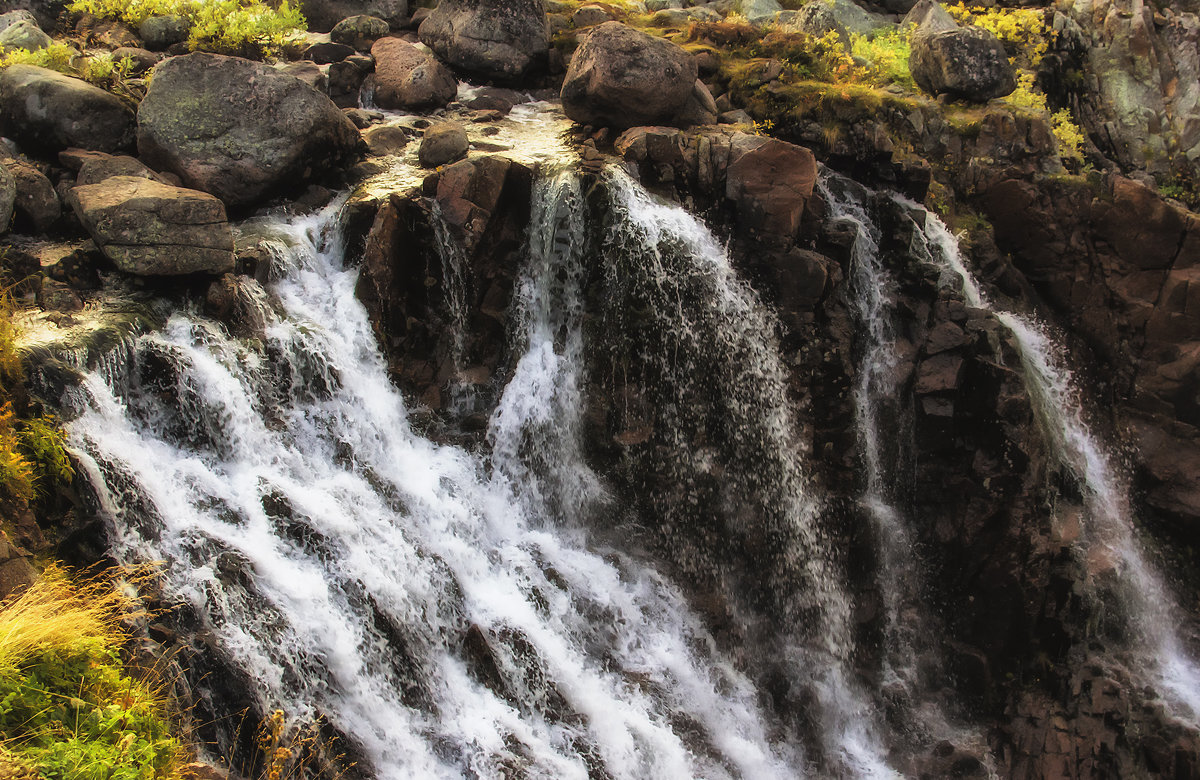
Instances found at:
x=967 y=63
x=47 y=111
x=8 y=197
x=621 y=77
x=149 y=228
x=498 y=40
x=239 y=129
x=323 y=15
x=408 y=77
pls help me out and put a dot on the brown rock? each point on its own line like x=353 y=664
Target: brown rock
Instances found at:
x=408 y=77
x=770 y=181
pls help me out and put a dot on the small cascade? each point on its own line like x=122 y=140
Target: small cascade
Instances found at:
x=1116 y=565
x=536 y=430
x=350 y=570
x=455 y=292
x=690 y=340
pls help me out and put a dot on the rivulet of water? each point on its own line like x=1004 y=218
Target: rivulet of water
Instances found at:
x=1108 y=545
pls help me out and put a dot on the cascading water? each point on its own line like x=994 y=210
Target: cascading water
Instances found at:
x=1108 y=545
x=355 y=571
x=701 y=348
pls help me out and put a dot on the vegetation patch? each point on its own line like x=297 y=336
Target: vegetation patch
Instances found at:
x=67 y=709
x=239 y=27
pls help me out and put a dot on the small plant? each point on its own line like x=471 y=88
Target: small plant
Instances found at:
x=56 y=56
x=43 y=445
x=67 y=709
x=1023 y=31
x=888 y=55
x=17 y=480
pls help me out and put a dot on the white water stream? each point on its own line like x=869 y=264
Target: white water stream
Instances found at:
x=344 y=562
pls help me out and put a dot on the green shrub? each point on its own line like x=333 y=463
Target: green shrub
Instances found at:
x=66 y=707
x=241 y=27
x=888 y=55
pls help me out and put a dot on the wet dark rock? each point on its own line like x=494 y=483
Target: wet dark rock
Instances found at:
x=443 y=143
x=496 y=40
x=621 y=77
x=409 y=78
x=359 y=32
x=16 y=568
x=239 y=129
x=770 y=182
x=383 y=140
x=494 y=99
x=45 y=110
x=345 y=84
x=149 y=228
x=308 y=72
x=141 y=59
x=327 y=52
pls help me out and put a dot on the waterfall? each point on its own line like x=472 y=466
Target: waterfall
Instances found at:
x=1108 y=546
x=417 y=597
x=702 y=349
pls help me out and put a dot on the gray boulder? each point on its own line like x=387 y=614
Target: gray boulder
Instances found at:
x=967 y=63
x=239 y=129
x=443 y=143
x=323 y=15
x=36 y=202
x=621 y=77
x=44 y=110
x=159 y=32
x=817 y=19
x=408 y=77
x=359 y=32
x=44 y=13
x=497 y=40
x=8 y=197
x=20 y=31
x=153 y=229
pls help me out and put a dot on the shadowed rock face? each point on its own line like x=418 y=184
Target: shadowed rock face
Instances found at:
x=323 y=15
x=621 y=77
x=45 y=110
x=239 y=129
x=498 y=40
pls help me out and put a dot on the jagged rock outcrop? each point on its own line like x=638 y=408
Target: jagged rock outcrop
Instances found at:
x=498 y=40
x=239 y=129
x=621 y=77
x=1138 y=81
x=484 y=206
x=45 y=110
x=153 y=229
x=410 y=78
